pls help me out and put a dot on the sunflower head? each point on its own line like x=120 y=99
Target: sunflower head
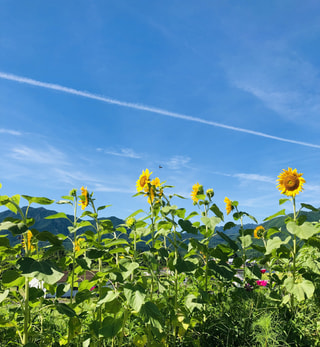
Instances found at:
x=258 y=232
x=290 y=182
x=197 y=189
x=229 y=206
x=130 y=222
x=27 y=241
x=210 y=193
x=151 y=194
x=78 y=243
x=156 y=182
x=143 y=180
x=84 y=200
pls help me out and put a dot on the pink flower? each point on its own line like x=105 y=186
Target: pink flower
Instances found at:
x=263 y=271
x=93 y=288
x=262 y=283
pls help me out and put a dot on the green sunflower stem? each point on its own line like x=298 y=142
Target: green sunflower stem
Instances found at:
x=26 y=313
x=294 y=252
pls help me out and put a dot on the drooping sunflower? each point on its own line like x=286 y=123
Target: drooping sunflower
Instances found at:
x=84 y=201
x=196 y=190
x=130 y=222
x=156 y=182
x=151 y=194
x=258 y=232
x=229 y=206
x=78 y=243
x=27 y=246
x=143 y=180
x=290 y=182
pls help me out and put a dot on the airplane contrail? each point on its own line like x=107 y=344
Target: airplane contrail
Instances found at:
x=136 y=106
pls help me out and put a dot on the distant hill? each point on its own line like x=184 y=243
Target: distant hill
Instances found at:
x=55 y=226
x=60 y=225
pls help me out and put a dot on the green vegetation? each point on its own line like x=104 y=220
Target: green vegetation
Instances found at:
x=158 y=279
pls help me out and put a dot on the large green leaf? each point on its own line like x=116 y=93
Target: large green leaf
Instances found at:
x=42 y=270
x=15 y=228
x=215 y=209
x=110 y=296
x=82 y=296
x=280 y=213
x=4 y=295
x=130 y=267
x=187 y=226
x=38 y=200
x=246 y=241
x=211 y=222
x=48 y=236
x=11 y=278
x=190 y=302
x=151 y=312
x=57 y=215
x=62 y=289
x=275 y=243
x=223 y=270
x=12 y=203
x=229 y=225
x=310 y=207
x=65 y=309
x=135 y=296
x=299 y=290
x=111 y=326
x=304 y=231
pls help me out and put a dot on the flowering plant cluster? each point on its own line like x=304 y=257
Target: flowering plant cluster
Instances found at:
x=162 y=292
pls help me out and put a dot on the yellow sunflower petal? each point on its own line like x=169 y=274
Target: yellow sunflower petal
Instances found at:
x=290 y=182
x=229 y=206
x=143 y=180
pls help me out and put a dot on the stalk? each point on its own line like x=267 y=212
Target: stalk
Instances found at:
x=26 y=313
x=294 y=252
x=152 y=235
x=74 y=250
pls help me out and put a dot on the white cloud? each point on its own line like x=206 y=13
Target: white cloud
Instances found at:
x=48 y=156
x=177 y=162
x=123 y=152
x=146 y=108
x=113 y=189
x=283 y=82
x=255 y=177
x=10 y=132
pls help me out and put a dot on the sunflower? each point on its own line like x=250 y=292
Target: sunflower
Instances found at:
x=229 y=206
x=28 y=238
x=290 y=182
x=156 y=182
x=258 y=232
x=130 y=222
x=151 y=194
x=84 y=201
x=196 y=189
x=78 y=243
x=143 y=180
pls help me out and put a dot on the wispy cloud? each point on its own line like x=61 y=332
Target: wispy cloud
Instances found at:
x=254 y=177
x=115 y=189
x=177 y=162
x=123 y=152
x=160 y=111
x=48 y=156
x=10 y=132
x=284 y=83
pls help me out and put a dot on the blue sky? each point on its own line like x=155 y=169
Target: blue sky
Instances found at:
x=221 y=93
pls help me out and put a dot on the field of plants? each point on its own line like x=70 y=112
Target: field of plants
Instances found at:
x=176 y=292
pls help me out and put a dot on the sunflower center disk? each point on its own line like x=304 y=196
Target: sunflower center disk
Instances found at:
x=291 y=183
x=143 y=181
